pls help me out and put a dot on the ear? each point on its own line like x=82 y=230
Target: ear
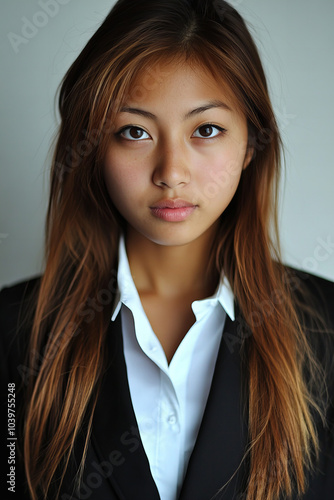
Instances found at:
x=248 y=157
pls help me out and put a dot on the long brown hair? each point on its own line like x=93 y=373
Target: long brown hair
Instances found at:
x=83 y=229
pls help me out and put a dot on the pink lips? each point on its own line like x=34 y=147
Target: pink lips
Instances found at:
x=173 y=210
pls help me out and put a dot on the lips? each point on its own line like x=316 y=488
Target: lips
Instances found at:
x=177 y=203
x=173 y=210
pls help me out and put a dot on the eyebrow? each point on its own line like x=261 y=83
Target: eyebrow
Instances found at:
x=193 y=112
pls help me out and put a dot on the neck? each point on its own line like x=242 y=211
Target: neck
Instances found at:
x=171 y=271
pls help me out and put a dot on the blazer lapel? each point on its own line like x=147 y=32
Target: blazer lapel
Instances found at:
x=222 y=437
x=117 y=466
x=115 y=435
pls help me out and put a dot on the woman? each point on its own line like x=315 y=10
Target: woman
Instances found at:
x=170 y=353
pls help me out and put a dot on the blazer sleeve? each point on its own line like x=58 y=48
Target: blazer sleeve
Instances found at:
x=320 y=297
x=16 y=311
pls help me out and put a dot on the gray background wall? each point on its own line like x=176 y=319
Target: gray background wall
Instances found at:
x=296 y=40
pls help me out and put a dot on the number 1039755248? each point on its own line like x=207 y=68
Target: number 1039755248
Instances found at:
x=11 y=409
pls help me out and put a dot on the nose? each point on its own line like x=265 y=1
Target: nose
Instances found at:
x=172 y=167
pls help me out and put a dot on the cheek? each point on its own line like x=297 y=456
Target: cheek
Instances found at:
x=119 y=175
x=221 y=174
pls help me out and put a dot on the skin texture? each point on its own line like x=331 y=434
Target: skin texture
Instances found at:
x=175 y=157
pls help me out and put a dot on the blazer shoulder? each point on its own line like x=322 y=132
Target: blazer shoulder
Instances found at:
x=316 y=283
x=17 y=304
x=15 y=300
x=314 y=291
x=18 y=291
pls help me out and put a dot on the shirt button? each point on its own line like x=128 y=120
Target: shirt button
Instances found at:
x=172 y=419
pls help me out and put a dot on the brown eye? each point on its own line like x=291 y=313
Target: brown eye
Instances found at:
x=208 y=131
x=133 y=133
x=136 y=133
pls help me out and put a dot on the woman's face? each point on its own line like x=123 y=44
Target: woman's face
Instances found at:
x=177 y=154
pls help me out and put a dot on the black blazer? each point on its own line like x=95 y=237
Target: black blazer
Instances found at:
x=116 y=467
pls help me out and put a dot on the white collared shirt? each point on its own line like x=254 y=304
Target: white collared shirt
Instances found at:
x=169 y=400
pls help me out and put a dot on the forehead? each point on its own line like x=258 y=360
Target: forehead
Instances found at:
x=167 y=82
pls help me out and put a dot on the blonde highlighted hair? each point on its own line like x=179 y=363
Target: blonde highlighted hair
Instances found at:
x=83 y=229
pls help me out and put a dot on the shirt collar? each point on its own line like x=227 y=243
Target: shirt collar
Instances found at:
x=127 y=290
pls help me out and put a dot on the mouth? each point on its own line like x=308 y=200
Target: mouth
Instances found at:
x=173 y=210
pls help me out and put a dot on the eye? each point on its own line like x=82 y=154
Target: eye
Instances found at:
x=132 y=133
x=208 y=131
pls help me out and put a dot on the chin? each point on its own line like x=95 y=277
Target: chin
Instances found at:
x=172 y=237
